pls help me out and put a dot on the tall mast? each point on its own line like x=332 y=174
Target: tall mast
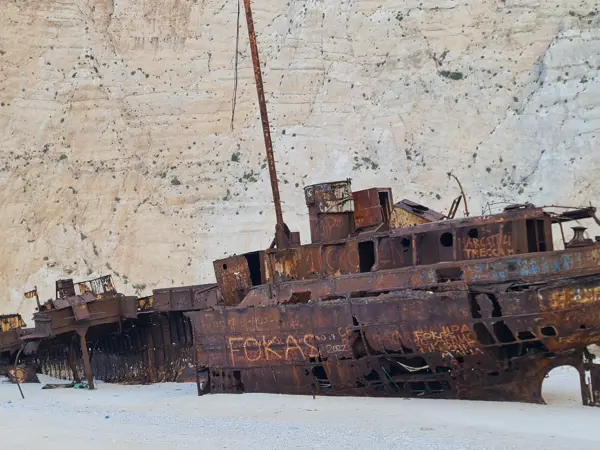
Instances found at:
x=281 y=235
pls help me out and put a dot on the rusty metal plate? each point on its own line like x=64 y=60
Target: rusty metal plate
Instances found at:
x=79 y=305
x=570 y=294
x=11 y=322
x=340 y=259
x=233 y=276
x=331 y=227
x=367 y=209
x=333 y=197
x=395 y=252
x=486 y=241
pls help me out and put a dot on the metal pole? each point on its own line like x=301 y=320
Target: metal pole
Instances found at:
x=462 y=192
x=15 y=369
x=281 y=238
x=87 y=367
x=37 y=299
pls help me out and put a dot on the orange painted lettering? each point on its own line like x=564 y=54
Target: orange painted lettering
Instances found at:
x=257 y=344
x=232 y=350
x=294 y=346
x=268 y=349
x=311 y=347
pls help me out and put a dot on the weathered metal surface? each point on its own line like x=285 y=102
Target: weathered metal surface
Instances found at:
x=12 y=329
x=520 y=268
x=145 y=303
x=22 y=374
x=151 y=344
x=233 y=276
x=154 y=348
x=73 y=317
x=372 y=207
x=11 y=322
x=80 y=309
x=282 y=235
x=480 y=308
x=453 y=344
x=407 y=213
x=331 y=197
x=330 y=210
x=509 y=233
x=186 y=298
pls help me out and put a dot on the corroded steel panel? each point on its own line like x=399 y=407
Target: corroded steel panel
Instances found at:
x=466 y=308
x=502 y=270
x=452 y=343
x=285 y=264
x=330 y=209
x=156 y=348
x=340 y=259
x=333 y=197
x=395 y=252
x=332 y=226
x=11 y=322
x=367 y=209
x=401 y=219
x=233 y=277
x=570 y=295
x=486 y=241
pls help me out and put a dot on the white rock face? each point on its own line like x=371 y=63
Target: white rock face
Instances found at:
x=118 y=156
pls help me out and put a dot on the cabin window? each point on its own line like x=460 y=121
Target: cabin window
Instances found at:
x=253 y=260
x=536 y=241
x=366 y=255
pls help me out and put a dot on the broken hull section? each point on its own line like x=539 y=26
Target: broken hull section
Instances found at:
x=154 y=348
x=149 y=342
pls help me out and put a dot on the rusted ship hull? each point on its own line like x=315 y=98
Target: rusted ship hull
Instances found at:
x=151 y=349
x=471 y=339
x=147 y=341
x=12 y=328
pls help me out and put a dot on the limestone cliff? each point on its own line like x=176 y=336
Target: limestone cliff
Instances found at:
x=117 y=153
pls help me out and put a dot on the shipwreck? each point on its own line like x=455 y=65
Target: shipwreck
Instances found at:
x=388 y=299
x=470 y=308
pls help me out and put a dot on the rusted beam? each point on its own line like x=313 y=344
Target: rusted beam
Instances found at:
x=72 y=366
x=462 y=193
x=281 y=234
x=15 y=370
x=89 y=375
